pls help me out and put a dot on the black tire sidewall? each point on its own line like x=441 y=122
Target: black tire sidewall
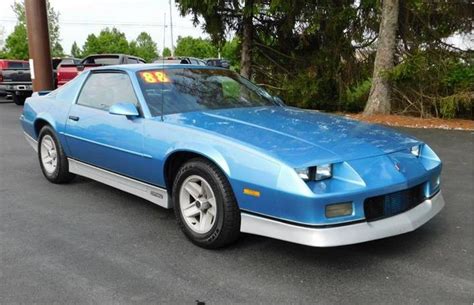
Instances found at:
x=200 y=169
x=61 y=172
x=18 y=99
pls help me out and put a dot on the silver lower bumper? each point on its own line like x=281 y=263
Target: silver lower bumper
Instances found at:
x=344 y=235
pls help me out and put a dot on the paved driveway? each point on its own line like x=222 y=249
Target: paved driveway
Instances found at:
x=87 y=243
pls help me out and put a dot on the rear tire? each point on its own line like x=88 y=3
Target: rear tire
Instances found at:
x=52 y=159
x=19 y=99
x=205 y=205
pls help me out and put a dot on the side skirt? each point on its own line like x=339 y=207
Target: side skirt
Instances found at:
x=146 y=191
x=31 y=141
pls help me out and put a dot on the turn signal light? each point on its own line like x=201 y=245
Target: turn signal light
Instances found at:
x=339 y=209
x=251 y=192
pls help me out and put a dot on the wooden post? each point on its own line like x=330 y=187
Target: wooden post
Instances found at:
x=38 y=45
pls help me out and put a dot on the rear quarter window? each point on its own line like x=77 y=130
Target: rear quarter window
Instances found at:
x=102 y=90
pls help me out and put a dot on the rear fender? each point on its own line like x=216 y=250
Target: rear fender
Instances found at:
x=41 y=118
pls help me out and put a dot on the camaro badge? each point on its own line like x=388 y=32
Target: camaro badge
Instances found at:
x=397 y=166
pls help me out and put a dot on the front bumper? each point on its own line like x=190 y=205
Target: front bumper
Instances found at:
x=345 y=234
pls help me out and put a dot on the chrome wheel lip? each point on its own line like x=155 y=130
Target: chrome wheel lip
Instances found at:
x=48 y=154
x=197 y=203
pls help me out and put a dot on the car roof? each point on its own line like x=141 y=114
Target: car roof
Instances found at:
x=140 y=67
x=113 y=55
x=109 y=54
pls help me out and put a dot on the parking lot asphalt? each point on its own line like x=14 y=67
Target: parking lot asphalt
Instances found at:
x=87 y=243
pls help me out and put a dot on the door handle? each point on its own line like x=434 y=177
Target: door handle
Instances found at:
x=74 y=118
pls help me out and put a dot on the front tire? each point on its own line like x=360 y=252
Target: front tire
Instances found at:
x=19 y=99
x=205 y=205
x=52 y=159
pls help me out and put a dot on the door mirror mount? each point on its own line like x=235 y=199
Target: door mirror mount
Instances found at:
x=127 y=109
x=279 y=100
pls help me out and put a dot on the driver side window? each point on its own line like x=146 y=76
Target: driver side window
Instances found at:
x=102 y=90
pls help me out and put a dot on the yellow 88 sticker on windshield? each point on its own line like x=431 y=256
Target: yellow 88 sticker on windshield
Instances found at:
x=153 y=77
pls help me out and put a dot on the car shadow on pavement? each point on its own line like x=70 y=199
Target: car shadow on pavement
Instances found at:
x=120 y=198
x=355 y=256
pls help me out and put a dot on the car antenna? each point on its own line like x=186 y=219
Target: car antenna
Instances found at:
x=163 y=70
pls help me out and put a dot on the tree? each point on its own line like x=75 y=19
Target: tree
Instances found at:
x=309 y=40
x=18 y=46
x=166 y=52
x=57 y=50
x=231 y=51
x=195 y=47
x=144 y=47
x=91 y=45
x=108 y=41
x=307 y=51
x=379 y=98
x=53 y=29
x=221 y=16
x=247 y=39
x=75 y=50
x=320 y=54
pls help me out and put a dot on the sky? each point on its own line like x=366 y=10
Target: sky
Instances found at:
x=80 y=18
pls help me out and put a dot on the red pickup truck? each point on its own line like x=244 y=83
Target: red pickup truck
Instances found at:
x=66 y=72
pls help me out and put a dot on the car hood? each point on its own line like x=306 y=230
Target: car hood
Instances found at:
x=298 y=137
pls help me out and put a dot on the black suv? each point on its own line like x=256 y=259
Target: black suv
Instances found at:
x=218 y=62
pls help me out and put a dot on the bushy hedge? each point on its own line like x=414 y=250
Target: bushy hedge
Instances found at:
x=434 y=83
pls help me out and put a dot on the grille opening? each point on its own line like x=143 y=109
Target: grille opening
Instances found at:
x=387 y=205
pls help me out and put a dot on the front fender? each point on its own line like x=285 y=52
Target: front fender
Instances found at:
x=206 y=151
x=244 y=166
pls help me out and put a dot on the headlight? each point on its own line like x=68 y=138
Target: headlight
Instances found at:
x=306 y=173
x=416 y=150
x=323 y=171
x=315 y=173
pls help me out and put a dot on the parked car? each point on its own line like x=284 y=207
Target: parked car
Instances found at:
x=9 y=64
x=68 y=71
x=181 y=60
x=218 y=62
x=229 y=159
x=63 y=62
x=16 y=80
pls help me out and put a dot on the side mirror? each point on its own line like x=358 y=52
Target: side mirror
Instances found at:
x=127 y=109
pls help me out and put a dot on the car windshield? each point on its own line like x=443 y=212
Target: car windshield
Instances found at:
x=18 y=65
x=195 y=89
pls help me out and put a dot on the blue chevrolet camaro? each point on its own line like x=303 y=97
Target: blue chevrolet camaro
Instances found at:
x=230 y=158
